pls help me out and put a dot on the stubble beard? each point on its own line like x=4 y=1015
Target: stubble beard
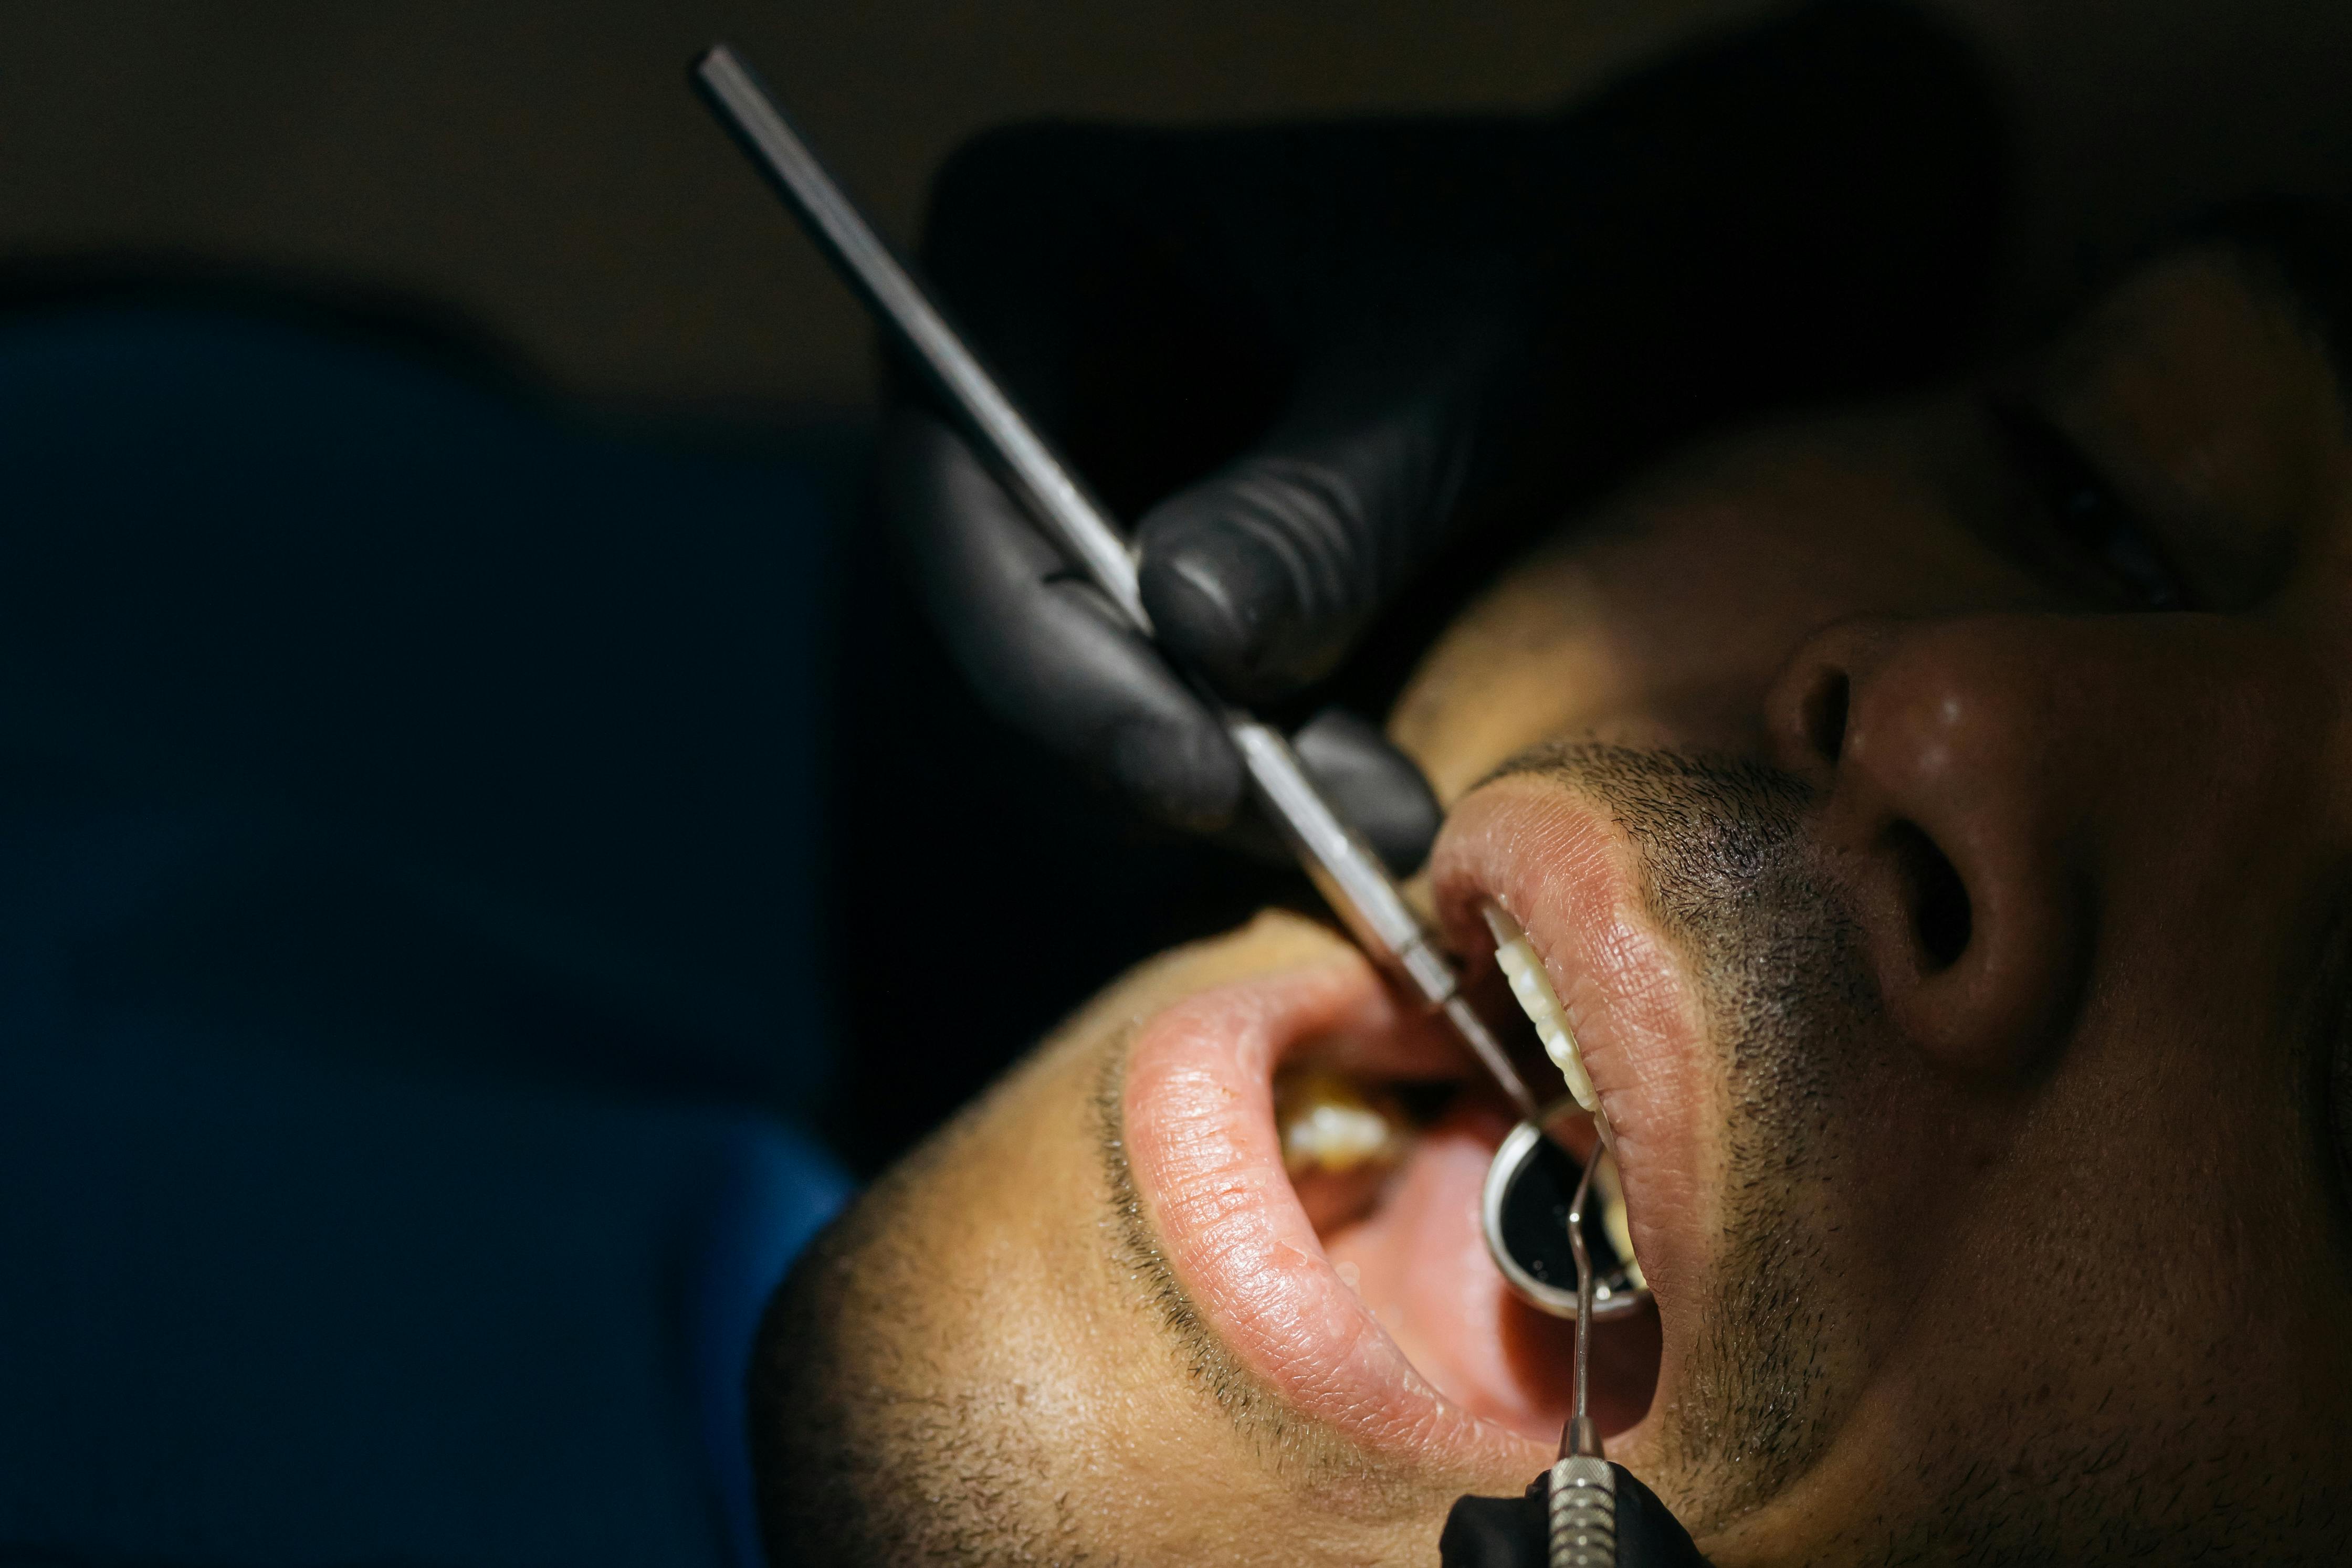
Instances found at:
x=1731 y=878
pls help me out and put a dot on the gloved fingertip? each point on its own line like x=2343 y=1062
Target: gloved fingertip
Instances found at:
x=1215 y=595
x=1375 y=788
x=1187 y=775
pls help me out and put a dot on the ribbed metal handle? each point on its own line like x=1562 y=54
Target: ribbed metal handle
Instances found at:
x=1582 y=1494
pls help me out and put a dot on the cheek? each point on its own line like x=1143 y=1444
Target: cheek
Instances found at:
x=1029 y=1344
x=1532 y=658
x=1663 y=619
x=1039 y=1350
x=1609 y=641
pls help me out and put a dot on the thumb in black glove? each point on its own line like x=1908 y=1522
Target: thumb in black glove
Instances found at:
x=1038 y=639
x=1306 y=358
x=1155 y=298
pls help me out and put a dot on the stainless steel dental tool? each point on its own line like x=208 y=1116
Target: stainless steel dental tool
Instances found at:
x=1585 y=1499
x=1581 y=1490
x=1342 y=866
x=1581 y=1435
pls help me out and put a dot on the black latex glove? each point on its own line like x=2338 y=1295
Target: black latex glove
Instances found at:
x=1306 y=358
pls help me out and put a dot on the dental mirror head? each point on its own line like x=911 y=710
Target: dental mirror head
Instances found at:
x=1523 y=1212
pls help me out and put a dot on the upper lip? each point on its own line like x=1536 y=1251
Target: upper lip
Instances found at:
x=1564 y=869
x=1206 y=1158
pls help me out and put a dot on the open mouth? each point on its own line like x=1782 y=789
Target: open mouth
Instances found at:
x=1312 y=1152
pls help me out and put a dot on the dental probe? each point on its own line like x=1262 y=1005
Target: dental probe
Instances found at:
x=1581 y=1435
x=1581 y=1490
x=1341 y=865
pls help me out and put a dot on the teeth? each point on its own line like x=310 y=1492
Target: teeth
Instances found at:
x=1620 y=1226
x=1540 y=1002
x=1533 y=986
x=1328 y=1124
x=1609 y=1192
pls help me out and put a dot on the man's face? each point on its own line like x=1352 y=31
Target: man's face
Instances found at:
x=1935 y=822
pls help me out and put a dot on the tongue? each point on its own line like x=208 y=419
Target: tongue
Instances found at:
x=1421 y=1264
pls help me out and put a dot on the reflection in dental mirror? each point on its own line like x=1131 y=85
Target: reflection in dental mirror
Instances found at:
x=1523 y=1212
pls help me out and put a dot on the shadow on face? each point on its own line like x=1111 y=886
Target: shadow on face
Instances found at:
x=1933 y=819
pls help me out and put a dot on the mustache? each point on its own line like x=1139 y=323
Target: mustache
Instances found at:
x=1733 y=878
x=1708 y=828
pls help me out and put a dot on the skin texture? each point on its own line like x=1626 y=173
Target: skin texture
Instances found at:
x=1942 y=864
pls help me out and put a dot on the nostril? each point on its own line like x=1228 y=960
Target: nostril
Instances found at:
x=1824 y=714
x=1941 y=920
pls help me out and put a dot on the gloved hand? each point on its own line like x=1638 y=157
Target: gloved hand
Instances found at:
x=1298 y=332
x=1515 y=1531
x=1305 y=357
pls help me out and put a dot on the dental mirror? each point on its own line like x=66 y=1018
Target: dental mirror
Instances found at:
x=1523 y=1211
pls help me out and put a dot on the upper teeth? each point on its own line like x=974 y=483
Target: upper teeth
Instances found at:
x=1525 y=970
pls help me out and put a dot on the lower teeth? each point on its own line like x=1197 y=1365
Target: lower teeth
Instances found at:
x=1331 y=1125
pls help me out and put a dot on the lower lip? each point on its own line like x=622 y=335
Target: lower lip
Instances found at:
x=1207 y=1163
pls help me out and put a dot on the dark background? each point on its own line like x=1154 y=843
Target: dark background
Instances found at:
x=529 y=195
x=541 y=166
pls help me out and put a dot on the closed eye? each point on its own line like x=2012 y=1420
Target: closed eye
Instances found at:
x=2082 y=513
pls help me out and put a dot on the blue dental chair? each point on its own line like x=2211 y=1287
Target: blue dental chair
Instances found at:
x=411 y=1025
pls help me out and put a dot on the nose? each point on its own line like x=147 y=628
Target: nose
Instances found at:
x=1953 y=815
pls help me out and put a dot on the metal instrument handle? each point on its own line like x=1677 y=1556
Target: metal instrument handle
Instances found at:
x=1346 y=870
